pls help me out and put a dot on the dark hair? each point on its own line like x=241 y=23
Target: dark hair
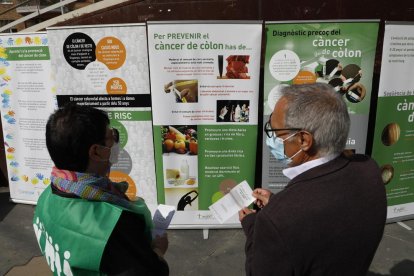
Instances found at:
x=71 y=131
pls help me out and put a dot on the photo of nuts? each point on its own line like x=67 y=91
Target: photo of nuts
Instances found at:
x=390 y=134
x=387 y=173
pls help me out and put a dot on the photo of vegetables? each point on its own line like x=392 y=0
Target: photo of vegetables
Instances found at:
x=179 y=140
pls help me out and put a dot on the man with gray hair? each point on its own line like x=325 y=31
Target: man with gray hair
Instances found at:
x=330 y=217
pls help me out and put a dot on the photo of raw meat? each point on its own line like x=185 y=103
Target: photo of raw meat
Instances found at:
x=237 y=67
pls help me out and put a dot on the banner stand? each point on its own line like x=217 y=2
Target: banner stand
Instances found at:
x=204 y=78
x=393 y=142
x=28 y=98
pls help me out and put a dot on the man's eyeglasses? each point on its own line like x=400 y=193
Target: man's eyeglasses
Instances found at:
x=270 y=131
x=115 y=134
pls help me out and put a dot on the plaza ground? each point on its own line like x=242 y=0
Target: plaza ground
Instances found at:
x=189 y=253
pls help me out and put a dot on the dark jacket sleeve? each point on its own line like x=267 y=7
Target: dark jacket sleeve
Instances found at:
x=129 y=252
x=248 y=228
x=266 y=254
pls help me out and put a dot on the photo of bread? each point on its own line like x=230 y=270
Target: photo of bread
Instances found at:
x=390 y=134
x=387 y=173
x=180 y=171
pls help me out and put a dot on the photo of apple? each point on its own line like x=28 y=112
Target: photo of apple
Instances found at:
x=179 y=140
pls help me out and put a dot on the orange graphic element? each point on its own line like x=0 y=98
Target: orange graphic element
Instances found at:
x=111 y=51
x=117 y=176
x=116 y=86
x=304 y=77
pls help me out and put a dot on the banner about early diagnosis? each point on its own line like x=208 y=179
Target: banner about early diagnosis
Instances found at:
x=205 y=91
x=106 y=67
x=393 y=147
x=27 y=99
x=341 y=54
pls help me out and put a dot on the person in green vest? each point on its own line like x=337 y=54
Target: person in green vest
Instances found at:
x=84 y=222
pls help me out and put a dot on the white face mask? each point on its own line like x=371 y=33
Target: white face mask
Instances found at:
x=277 y=148
x=114 y=153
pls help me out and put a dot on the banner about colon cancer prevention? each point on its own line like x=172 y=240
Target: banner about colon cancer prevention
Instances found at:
x=106 y=67
x=27 y=99
x=205 y=91
x=341 y=54
x=393 y=147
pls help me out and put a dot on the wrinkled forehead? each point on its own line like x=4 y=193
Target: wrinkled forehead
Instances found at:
x=278 y=115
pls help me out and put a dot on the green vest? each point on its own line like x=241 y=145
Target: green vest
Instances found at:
x=72 y=233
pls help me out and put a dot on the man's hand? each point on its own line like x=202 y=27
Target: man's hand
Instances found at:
x=262 y=197
x=244 y=212
x=160 y=244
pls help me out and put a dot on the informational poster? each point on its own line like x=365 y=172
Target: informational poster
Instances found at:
x=393 y=147
x=106 y=67
x=205 y=90
x=27 y=99
x=341 y=54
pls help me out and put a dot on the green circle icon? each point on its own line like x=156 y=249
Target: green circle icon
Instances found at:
x=216 y=196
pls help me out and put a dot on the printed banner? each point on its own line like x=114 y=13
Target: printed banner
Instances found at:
x=28 y=98
x=393 y=146
x=107 y=67
x=339 y=53
x=205 y=90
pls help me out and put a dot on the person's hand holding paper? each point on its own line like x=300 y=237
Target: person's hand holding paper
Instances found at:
x=238 y=198
x=262 y=197
x=162 y=219
x=244 y=212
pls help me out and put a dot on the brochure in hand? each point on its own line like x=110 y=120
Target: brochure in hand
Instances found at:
x=238 y=198
x=162 y=219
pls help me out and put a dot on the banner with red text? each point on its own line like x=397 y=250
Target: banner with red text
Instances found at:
x=205 y=91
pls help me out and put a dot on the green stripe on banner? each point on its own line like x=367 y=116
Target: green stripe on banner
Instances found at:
x=28 y=53
x=130 y=115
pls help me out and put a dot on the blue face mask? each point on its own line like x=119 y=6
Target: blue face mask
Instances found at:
x=277 y=148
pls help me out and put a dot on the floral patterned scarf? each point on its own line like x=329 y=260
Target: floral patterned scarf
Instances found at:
x=97 y=188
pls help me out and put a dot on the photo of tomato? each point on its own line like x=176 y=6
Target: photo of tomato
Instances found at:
x=193 y=147
x=179 y=140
